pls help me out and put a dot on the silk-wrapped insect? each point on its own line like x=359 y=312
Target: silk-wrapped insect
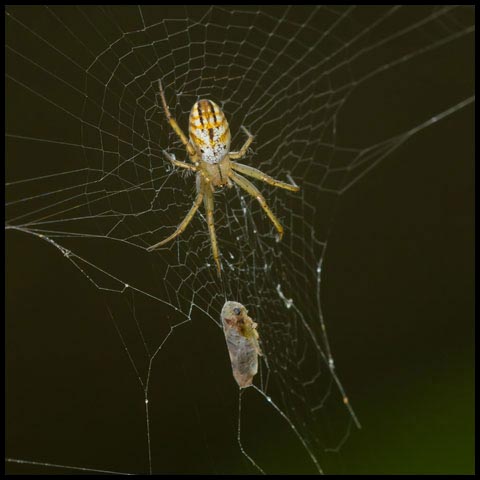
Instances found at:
x=242 y=342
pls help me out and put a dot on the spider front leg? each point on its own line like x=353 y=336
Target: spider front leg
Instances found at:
x=208 y=200
x=241 y=153
x=254 y=192
x=253 y=172
x=184 y=223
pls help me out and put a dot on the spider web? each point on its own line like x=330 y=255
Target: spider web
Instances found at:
x=86 y=174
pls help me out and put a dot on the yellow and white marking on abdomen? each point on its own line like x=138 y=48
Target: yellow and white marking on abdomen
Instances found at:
x=209 y=131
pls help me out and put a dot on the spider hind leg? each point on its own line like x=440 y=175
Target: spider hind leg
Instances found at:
x=242 y=152
x=173 y=122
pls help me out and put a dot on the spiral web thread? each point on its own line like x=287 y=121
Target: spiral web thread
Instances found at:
x=103 y=191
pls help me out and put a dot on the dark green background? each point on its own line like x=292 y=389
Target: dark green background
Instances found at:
x=397 y=296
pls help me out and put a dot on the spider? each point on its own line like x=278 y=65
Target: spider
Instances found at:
x=209 y=152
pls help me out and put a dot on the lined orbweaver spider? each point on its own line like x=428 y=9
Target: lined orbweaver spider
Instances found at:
x=209 y=152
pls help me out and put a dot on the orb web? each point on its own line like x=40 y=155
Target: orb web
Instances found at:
x=86 y=174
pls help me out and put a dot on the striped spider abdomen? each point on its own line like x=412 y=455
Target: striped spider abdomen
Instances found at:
x=209 y=131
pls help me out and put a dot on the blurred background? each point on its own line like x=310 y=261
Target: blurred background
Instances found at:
x=397 y=296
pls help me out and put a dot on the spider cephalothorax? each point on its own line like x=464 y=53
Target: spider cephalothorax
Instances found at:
x=209 y=151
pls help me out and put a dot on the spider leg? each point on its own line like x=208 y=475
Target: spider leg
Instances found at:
x=208 y=200
x=254 y=192
x=178 y=163
x=253 y=172
x=241 y=153
x=173 y=122
x=184 y=223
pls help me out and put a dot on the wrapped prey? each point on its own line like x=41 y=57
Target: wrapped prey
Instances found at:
x=242 y=342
